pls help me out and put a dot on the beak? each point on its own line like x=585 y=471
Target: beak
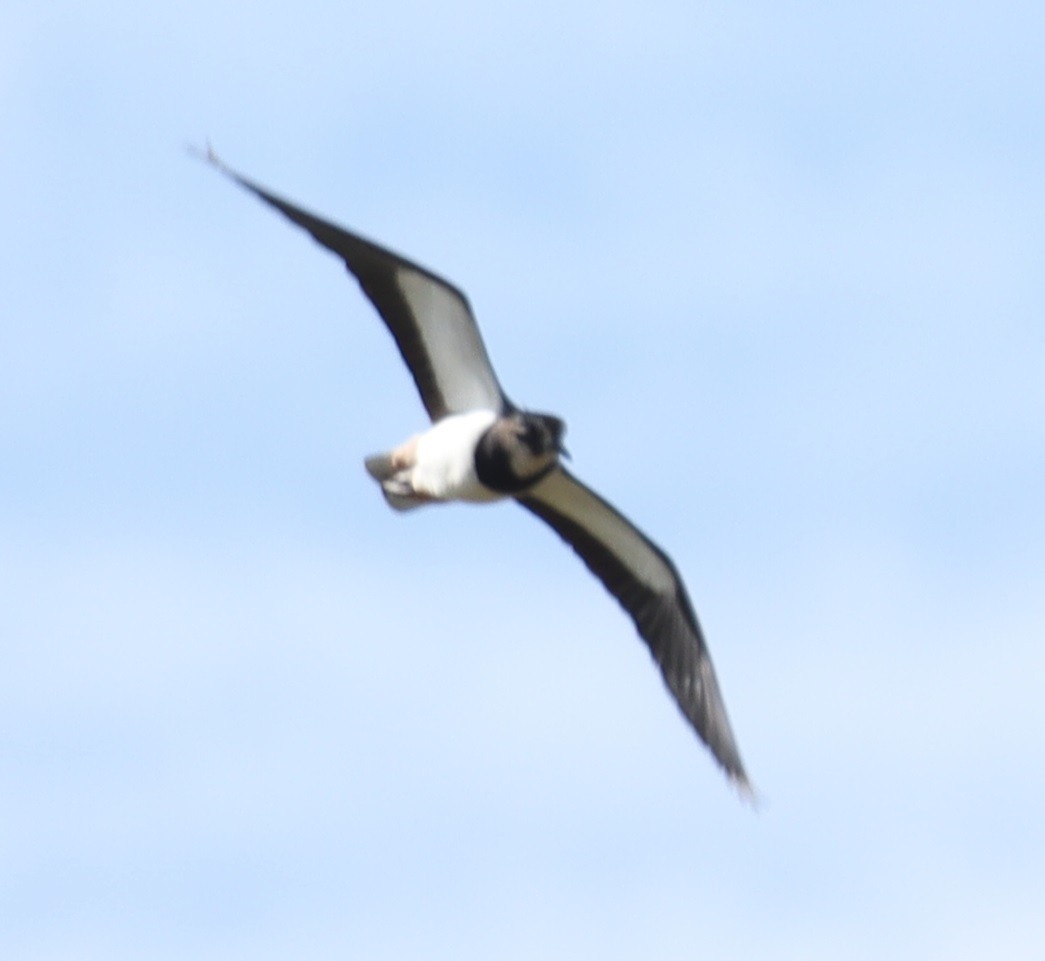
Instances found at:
x=563 y=452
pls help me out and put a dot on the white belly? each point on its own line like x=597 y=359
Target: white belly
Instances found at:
x=445 y=458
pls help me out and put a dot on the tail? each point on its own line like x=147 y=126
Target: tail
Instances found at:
x=379 y=466
x=395 y=483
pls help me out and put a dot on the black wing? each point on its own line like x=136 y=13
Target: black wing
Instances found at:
x=647 y=585
x=429 y=317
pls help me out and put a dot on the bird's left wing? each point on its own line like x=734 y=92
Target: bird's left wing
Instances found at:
x=647 y=585
x=429 y=317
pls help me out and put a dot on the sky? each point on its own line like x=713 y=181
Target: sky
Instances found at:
x=778 y=265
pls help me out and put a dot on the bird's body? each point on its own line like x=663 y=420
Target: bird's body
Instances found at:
x=482 y=448
x=478 y=456
x=437 y=464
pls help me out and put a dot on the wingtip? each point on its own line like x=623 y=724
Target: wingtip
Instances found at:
x=747 y=792
x=207 y=154
x=210 y=156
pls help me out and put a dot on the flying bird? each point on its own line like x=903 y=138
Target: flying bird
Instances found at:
x=481 y=447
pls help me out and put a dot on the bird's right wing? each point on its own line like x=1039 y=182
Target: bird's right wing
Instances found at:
x=647 y=585
x=429 y=317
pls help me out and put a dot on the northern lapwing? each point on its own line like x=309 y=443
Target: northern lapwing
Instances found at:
x=481 y=447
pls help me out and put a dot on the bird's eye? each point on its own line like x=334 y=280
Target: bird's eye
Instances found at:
x=535 y=438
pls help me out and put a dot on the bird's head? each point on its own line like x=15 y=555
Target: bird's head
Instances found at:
x=542 y=434
x=519 y=449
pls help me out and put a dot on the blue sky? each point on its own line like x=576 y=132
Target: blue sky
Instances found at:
x=780 y=268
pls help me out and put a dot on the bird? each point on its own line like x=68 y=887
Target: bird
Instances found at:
x=482 y=448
